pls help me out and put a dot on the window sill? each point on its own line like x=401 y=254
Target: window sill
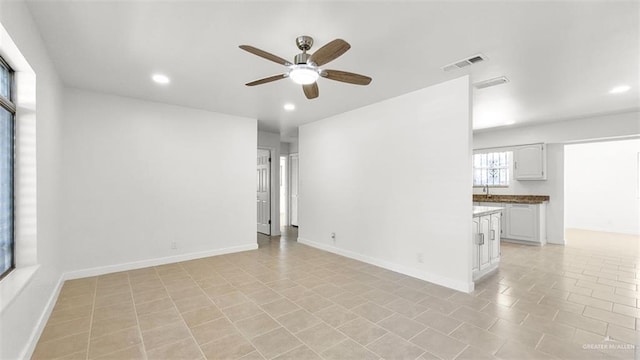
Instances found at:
x=13 y=284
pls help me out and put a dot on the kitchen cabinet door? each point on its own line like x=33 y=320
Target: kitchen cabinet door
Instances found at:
x=494 y=237
x=475 y=253
x=530 y=162
x=503 y=215
x=485 y=224
x=522 y=222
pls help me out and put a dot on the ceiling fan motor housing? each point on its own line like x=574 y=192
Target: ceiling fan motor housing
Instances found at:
x=301 y=58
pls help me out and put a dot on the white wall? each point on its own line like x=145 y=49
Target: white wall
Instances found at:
x=19 y=321
x=556 y=135
x=140 y=175
x=602 y=186
x=393 y=180
x=293 y=147
x=271 y=141
x=284 y=148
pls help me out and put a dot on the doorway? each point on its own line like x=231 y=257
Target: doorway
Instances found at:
x=602 y=194
x=263 y=196
x=284 y=191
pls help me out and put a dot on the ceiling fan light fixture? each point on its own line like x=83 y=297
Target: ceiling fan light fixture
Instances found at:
x=304 y=74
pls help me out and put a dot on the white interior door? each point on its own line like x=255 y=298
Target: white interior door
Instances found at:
x=294 y=189
x=263 y=188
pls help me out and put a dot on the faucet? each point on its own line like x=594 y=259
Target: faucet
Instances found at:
x=485 y=189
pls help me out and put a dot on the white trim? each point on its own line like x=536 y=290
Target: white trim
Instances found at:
x=290 y=179
x=27 y=352
x=13 y=284
x=287 y=217
x=419 y=274
x=101 y=270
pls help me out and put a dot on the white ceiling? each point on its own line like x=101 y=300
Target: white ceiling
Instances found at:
x=561 y=57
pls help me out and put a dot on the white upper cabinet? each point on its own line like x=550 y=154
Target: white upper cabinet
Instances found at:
x=530 y=162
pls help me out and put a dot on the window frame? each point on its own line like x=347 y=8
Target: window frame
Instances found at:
x=9 y=105
x=507 y=167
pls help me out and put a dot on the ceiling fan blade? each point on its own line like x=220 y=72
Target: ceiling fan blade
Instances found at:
x=329 y=52
x=267 y=80
x=346 y=77
x=311 y=90
x=265 y=55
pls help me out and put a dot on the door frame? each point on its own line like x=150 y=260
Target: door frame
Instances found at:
x=290 y=198
x=271 y=151
x=287 y=215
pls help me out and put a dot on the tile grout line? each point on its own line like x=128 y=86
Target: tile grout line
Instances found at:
x=114 y=331
x=93 y=308
x=135 y=310
x=175 y=307
x=282 y=326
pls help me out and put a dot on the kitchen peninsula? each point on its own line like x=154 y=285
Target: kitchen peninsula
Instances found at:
x=486 y=240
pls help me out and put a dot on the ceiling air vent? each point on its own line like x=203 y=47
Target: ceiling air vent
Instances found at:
x=491 y=82
x=465 y=62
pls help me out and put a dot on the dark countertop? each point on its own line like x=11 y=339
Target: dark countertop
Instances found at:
x=516 y=199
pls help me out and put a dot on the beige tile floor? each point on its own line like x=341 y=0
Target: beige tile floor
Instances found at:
x=290 y=301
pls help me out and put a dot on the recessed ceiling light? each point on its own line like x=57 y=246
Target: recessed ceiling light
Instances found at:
x=289 y=107
x=619 y=89
x=160 y=79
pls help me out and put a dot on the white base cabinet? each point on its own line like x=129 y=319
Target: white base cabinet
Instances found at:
x=522 y=222
x=486 y=244
x=503 y=223
x=526 y=222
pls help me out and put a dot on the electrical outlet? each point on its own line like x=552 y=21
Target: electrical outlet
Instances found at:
x=420 y=258
x=174 y=245
x=333 y=237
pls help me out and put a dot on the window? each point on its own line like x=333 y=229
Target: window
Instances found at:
x=7 y=144
x=491 y=169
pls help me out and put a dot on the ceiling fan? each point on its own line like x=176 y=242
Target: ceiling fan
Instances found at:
x=305 y=68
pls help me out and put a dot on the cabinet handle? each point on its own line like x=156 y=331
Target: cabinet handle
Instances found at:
x=493 y=234
x=515 y=165
x=482 y=239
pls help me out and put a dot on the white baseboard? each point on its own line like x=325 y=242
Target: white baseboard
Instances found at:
x=27 y=352
x=419 y=274
x=102 y=270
